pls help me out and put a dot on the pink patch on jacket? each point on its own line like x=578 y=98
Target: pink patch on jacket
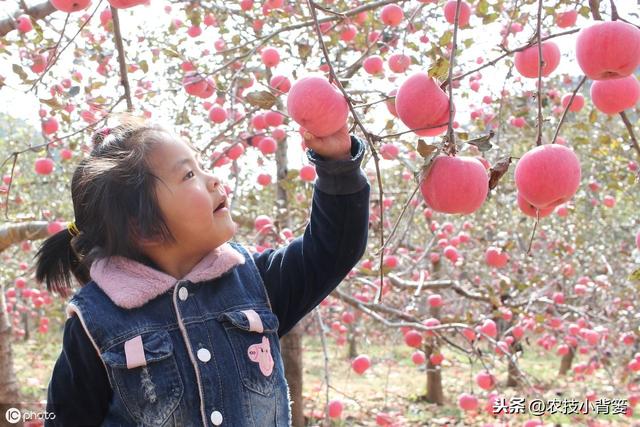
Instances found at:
x=261 y=353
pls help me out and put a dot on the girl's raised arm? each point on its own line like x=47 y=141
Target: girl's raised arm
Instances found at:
x=301 y=274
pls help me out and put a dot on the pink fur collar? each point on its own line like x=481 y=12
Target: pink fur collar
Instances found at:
x=131 y=284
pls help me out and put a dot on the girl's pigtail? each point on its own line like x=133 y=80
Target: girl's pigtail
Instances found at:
x=56 y=260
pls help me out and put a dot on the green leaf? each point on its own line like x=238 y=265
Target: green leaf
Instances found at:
x=19 y=71
x=440 y=70
x=635 y=276
x=585 y=11
x=593 y=115
x=144 y=66
x=171 y=53
x=482 y=8
x=462 y=136
x=446 y=38
x=490 y=18
x=74 y=90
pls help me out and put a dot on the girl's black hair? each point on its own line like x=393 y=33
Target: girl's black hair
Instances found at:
x=115 y=205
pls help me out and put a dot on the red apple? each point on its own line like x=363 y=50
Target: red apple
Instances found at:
x=125 y=4
x=44 y=166
x=467 y=402
x=307 y=173
x=615 y=95
x=50 y=126
x=389 y=151
x=457 y=185
x=398 y=63
x=566 y=19
x=495 y=257
x=373 y=64
x=548 y=175
x=418 y=357
x=23 y=23
x=391 y=15
x=270 y=57
x=450 y=13
x=608 y=50
x=70 y=5
x=360 y=364
x=422 y=105
x=576 y=104
x=485 y=380
x=217 y=114
x=526 y=61
x=335 y=408
x=413 y=338
x=280 y=83
x=317 y=106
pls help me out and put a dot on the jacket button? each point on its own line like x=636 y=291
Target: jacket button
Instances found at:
x=204 y=355
x=216 y=418
x=183 y=293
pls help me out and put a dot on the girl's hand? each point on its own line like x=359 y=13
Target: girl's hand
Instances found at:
x=332 y=147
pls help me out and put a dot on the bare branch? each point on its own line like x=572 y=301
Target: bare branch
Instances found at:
x=121 y=58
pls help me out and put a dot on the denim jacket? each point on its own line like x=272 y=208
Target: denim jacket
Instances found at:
x=204 y=350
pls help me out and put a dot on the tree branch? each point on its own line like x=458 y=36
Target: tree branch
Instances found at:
x=540 y=64
x=37 y=12
x=124 y=79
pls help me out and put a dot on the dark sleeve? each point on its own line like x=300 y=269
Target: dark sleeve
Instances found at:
x=301 y=274
x=79 y=391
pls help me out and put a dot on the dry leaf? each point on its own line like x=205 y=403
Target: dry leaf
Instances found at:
x=500 y=168
x=261 y=99
x=425 y=149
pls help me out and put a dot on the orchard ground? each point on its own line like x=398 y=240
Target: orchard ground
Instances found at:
x=393 y=384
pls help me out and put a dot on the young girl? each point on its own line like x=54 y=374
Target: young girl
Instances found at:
x=175 y=323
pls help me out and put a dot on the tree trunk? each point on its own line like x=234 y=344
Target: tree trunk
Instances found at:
x=9 y=390
x=567 y=360
x=512 y=379
x=434 y=380
x=291 y=345
x=353 y=343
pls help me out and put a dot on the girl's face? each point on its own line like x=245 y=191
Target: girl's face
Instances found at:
x=188 y=197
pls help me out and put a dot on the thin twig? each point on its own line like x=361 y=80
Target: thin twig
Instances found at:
x=450 y=145
x=627 y=123
x=507 y=53
x=54 y=60
x=533 y=233
x=367 y=134
x=564 y=113
x=540 y=64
